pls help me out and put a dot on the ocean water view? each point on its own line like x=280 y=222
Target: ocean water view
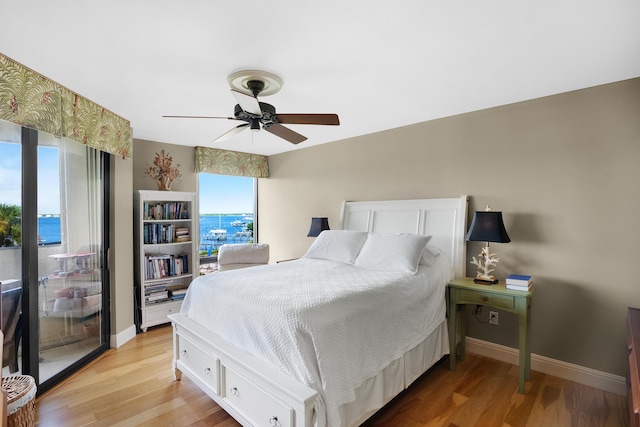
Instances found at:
x=218 y=229
x=49 y=230
x=215 y=230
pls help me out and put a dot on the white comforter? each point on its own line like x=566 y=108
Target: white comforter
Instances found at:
x=328 y=324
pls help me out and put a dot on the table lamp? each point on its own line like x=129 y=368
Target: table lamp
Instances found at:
x=487 y=226
x=318 y=225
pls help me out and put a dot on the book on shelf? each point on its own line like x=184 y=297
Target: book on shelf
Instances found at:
x=160 y=266
x=156 y=296
x=178 y=293
x=165 y=211
x=157 y=301
x=180 y=231
x=519 y=280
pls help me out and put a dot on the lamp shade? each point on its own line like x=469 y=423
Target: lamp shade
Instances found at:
x=487 y=226
x=318 y=224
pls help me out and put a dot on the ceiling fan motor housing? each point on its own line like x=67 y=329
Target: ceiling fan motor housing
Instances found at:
x=268 y=113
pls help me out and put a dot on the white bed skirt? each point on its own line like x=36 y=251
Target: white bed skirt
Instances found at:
x=377 y=391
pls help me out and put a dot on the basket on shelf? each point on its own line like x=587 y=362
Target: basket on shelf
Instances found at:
x=21 y=402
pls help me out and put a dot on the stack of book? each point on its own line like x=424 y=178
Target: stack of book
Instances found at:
x=156 y=293
x=182 y=234
x=178 y=294
x=519 y=282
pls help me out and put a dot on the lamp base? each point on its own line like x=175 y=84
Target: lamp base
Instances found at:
x=485 y=282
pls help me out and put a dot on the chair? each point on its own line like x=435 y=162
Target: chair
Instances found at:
x=232 y=256
x=11 y=323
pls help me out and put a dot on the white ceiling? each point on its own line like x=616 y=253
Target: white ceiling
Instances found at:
x=378 y=64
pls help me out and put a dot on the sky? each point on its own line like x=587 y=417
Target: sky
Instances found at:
x=10 y=173
x=225 y=194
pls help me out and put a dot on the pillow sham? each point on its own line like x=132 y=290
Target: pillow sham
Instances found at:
x=400 y=252
x=337 y=245
x=429 y=255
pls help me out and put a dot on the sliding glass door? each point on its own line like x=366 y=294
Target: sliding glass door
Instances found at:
x=11 y=245
x=62 y=263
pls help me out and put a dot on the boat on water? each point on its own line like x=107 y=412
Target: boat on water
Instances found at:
x=216 y=234
x=238 y=223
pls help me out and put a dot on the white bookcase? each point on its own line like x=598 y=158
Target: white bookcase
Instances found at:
x=166 y=235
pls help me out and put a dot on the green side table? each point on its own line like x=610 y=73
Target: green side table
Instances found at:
x=463 y=291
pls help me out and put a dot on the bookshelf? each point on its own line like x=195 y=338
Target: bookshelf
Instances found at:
x=166 y=232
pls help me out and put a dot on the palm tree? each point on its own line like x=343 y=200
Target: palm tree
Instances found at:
x=10 y=227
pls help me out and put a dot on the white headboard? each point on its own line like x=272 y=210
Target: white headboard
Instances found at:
x=444 y=219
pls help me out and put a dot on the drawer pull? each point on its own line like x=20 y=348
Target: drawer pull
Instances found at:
x=233 y=391
x=207 y=371
x=183 y=353
x=485 y=298
x=274 y=421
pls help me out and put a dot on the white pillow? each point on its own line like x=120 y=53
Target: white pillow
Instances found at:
x=392 y=252
x=337 y=245
x=429 y=255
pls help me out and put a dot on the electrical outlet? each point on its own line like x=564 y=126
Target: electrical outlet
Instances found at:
x=493 y=317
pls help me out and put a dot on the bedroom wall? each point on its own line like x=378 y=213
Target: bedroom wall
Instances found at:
x=121 y=257
x=562 y=169
x=145 y=151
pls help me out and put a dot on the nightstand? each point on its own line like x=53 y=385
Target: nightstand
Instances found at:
x=463 y=291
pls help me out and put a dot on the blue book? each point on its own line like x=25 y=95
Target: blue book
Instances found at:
x=518 y=279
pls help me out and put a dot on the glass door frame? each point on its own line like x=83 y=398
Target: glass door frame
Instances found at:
x=30 y=274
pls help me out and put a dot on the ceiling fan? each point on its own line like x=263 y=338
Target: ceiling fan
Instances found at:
x=246 y=85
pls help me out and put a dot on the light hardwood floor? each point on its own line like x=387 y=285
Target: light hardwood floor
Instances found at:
x=133 y=386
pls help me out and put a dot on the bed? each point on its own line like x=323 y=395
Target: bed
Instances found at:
x=330 y=338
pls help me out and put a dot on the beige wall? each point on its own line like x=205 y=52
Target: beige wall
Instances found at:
x=564 y=171
x=121 y=257
x=184 y=157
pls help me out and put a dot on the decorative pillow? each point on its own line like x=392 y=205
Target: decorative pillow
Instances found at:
x=429 y=255
x=392 y=252
x=337 y=245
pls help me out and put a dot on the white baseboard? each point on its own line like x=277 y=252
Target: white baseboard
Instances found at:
x=568 y=371
x=124 y=336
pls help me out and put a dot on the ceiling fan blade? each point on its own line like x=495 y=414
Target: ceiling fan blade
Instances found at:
x=285 y=133
x=248 y=103
x=200 y=117
x=308 y=119
x=233 y=132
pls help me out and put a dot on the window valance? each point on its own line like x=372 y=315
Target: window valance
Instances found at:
x=29 y=99
x=224 y=162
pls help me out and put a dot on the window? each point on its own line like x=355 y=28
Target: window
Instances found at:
x=227 y=212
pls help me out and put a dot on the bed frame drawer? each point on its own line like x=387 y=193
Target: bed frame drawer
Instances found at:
x=206 y=366
x=481 y=298
x=252 y=402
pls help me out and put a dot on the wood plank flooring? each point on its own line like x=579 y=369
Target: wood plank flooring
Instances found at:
x=133 y=386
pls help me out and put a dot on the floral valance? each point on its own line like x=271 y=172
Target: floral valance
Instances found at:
x=32 y=100
x=224 y=162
